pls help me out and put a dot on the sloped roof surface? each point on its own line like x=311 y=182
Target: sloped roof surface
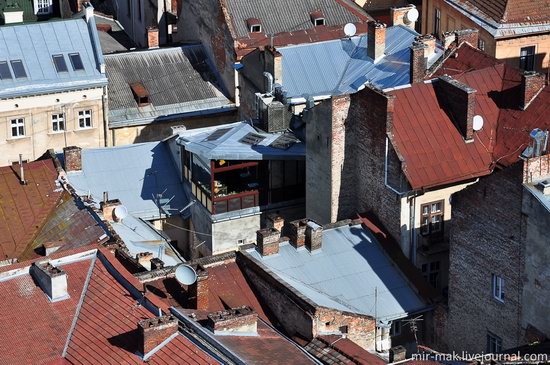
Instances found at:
x=511 y=11
x=35 y=44
x=178 y=80
x=463 y=58
x=25 y=208
x=342 y=66
x=134 y=174
x=345 y=274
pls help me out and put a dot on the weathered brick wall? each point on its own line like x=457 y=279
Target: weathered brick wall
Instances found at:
x=485 y=240
x=361 y=329
x=536 y=168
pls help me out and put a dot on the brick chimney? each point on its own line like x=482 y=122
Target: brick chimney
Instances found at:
x=73 y=158
x=275 y=221
x=399 y=16
x=52 y=280
x=397 y=353
x=297 y=232
x=154 y=331
x=152 y=37
x=470 y=36
x=236 y=321
x=376 y=40
x=197 y=292
x=418 y=63
x=267 y=241
x=448 y=39
x=144 y=259
x=273 y=61
x=313 y=236
x=107 y=207
x=459 y=100
x=429 y=41
x=532 y=84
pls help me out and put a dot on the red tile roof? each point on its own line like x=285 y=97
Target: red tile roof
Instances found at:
x=349 y=349
x=24 y=208
x=511 y=11
x=464 y=58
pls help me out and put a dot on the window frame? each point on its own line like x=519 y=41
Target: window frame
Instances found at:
x=437 y=22
x=427 y=228
x=319 y=21
x=84 y=117
x=57 y=121
x=497 y=287
x=527 y=62
x=61 y=57
x=481 y=44
x=431 y=272
x=396 y=328
x=7 y=68
x=256 y=28
x=15 y=73
x=494 y=343
x=38 y=9
x=20 y=124
x=73 y=63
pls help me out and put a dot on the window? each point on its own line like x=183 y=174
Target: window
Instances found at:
x=498 y=288
x=85 y=119
x=432 y=218
x=431 y=273
x=395 y=329
x=481 y=44
x=76 y=61
x=44 y=6
x=18 y=69
x=58 y=122
x=256 y=28
x=494 y=343
x=527 y=58
x=18 y=127
x=5 y=73
x=60 y=64
x=437 y=22
x=319 y=21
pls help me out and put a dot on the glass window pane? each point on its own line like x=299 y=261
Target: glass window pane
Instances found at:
x=18 y=69
x=76 y=61
x=5 y=73
x=60 y=64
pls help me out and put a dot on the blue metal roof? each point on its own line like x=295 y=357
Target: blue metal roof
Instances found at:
x=35 y=44
x=134 y=174
x=345 y=273
x=228 y=145
x=342 y=66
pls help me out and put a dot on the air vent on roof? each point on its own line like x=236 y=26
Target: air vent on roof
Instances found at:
x=254 y=25
x=317 y=18
x=140 y=93
x=76 y=61
x=284 y=141
x=217 y=134
x=5 y=73
x=18 y=69
x=252 y=139
x=545 y=186
x=60 y=64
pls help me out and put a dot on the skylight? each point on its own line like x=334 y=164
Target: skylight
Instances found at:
x=252 y=139
x=5 y=73
x=60 y=64
x=284 y=142
x=217 y=134
x=76 y=61
x=18 y=69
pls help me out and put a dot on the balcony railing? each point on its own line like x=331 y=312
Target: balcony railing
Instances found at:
x=230 y=203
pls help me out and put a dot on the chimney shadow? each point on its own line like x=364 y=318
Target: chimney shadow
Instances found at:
x=127 y=341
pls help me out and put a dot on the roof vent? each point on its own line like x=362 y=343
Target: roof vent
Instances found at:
x=140 y=93
x=254 y=25
x=545 y=186
x=317 y=18
x=52 y=280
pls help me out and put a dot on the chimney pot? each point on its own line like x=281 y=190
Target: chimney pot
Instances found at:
x=419 y=63
x=297 y=232
x=52 y=280
x=268 y=241
x=275 y=221
x=460 y=101
x=73 y=158
x=197 y=292
x=314 y=236
x=233 y=321
x=376 y=40
x=155 y=331
x=532 y=84
x=152 y=37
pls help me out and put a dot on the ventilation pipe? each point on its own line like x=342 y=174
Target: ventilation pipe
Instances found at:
x=21 y=170
x=269 y=82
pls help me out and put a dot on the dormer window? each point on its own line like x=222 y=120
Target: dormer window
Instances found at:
x=43 y=7
x=317 y=18
x=254 y=25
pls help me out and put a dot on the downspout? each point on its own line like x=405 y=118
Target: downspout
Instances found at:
x=106 y=117
x=412 y=228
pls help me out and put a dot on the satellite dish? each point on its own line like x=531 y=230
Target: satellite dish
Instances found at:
x=186 y=275
x=120 y=212
x=478 y=122
x=411 y=16
x=350 y=30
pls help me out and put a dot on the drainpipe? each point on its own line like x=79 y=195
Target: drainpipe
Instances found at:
x=106 y=117
x=412 y=228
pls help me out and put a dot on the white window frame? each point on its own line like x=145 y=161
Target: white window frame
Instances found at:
x=85 y=116
x=494 y=343
x=19 y=122
x=481 y=44
x=497 y=286
x=43 y=7
x=56 y=118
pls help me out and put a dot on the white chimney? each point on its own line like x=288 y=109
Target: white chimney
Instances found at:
x=13 y=15
x=52 y=280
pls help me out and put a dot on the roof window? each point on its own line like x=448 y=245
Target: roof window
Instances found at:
x=60 y=64
x=317 y=18
x=76 y=61
x=252 y=139
x=5 y=73
x=18 y=69
x=254 y=25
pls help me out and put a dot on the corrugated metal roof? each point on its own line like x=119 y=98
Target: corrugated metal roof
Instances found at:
x=342 y=66
x=229 y=146
x=287 y=16
x=35 y=44
x=345 y=273
x=178 y=80
x=133 y=174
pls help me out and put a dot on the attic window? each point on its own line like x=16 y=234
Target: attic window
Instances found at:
x=5 y=73
x=254 y=25
x=317 y=18
x=252 y=139
x=18 y=69
x=76 y=61
x=60 y=64
x=140 y=93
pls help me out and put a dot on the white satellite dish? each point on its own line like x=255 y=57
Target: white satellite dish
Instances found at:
x=120 y=212
x=350 y=30
x=186 y=275
x=478 y=122
x=411 y=16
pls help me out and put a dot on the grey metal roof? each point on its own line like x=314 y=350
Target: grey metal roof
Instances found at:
x=133 y=174
x=179 y=80
x=345 y=273
x=228 y=145
x=140 y=236
x=34 y=44
x=342 y=66
x=287 y=15
x=116 y=40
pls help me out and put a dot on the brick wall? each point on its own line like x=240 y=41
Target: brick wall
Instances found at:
x=536 y=168
x=485 y=240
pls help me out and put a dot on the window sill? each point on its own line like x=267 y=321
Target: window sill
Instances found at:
x=56 y=133
x=499 y=301
x=85 y=129
x=15 y=139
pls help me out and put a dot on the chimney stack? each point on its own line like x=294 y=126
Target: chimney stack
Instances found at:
x=154 y=331
x=107 y=207
x=314 y=236
x=532 y=84
x=52 y=280
x=275 y=221
x=376 y=40
x=460 y=101
x=297 y=232
x=73 y=158
x=13 y=14
x=273 y=61
x=470 y=36
x=197 y=292
x=419 y=63
x=152 y=37
x=399 y=16
x=236 y=321
x=398 y=353
x=448 y=39
x=429 y=41
x=267 y=241
x=144 y=259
